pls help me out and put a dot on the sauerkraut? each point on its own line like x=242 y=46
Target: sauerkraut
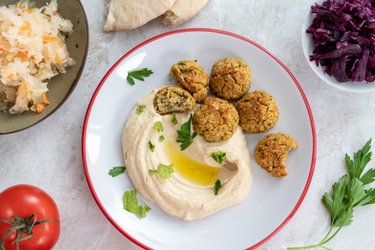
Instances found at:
x=32 y=50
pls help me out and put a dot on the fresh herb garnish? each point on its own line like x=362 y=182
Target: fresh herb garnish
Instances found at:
x=115 y=171
x=158 y=126
x=217 y=187
x=164 y=171
x=138 y=74
x=140 y=109
x=184 y=135
x=151 y=146
x=161 y=138
x=131 y=204
x=347 y=193
x=174 y=119
x=219 y=156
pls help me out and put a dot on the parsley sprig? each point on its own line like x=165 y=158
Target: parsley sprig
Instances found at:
x=219 y=156
x=140 y=109
x=138 y=74
x=115 y=171
x=347 y=193
x=185 y=137
x=131 y=205
x=217 y=187
x=164 y=171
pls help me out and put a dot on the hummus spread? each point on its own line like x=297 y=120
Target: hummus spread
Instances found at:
x=189 y=192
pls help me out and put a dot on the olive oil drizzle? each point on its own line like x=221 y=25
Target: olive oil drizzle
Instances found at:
x=190 y=169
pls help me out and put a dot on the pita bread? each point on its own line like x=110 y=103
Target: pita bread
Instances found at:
x=131 y=14
x=182 y=11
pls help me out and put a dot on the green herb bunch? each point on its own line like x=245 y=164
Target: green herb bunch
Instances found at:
x=348 y=192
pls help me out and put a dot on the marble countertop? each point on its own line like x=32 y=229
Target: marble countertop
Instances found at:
x=344 y=122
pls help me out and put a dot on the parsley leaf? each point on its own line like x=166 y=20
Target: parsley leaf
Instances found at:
x=140 y=109
x=217 y=187
x=131 y=204
x=158 y=126
x=151 y=146
x=184 y=134
x=164 y=171
x=174 y=119
x=219 y=156
x=368 y=177
x=161 y=138
x=360 y=160
x=138 y=74
x=348 y=192
x=370 y=197
x=115 y=171
x=334 y=203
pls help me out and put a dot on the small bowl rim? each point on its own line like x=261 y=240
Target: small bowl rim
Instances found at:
x=76 y=80
x=350 y=86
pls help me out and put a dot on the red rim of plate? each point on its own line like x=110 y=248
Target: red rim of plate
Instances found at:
x=102 y=82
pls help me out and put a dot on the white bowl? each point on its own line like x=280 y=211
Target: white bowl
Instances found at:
x=307 y=46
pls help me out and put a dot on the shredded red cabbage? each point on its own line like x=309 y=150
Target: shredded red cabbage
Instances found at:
x=343 y=33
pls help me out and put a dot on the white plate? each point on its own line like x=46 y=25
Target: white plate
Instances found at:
x=271 y=201
x=308 y=47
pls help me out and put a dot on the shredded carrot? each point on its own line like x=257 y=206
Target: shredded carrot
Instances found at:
x=5 y=51
x=10 y=76
x=44 y=98
x=26 y=26
x=21 y=8
x=48 y=39
x=22 y=55
x=58 y=59
x=30 y=10
x=39 y=107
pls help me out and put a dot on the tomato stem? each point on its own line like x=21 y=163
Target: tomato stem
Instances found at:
x=21 y=225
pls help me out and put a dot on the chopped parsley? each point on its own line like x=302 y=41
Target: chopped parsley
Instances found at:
x=217 y=187
x=161 y=138
x=138 y=74
x=140 y=109
x=184 y=134
x=219 y=156
x=164 y=171
x=174 y=119
x=151 y=146
x=158 y=126
x=115 y=171
x=131 y=204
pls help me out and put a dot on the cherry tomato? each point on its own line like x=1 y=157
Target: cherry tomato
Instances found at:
x=28 y=204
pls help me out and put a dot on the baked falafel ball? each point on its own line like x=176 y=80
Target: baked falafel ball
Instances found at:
x=172 y=99
x=192 y=77
x=258 y=111
x=230 y=78
x=216 y=120
x=271 y=153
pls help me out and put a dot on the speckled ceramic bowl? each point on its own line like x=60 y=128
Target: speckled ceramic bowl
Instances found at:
x=61 y=85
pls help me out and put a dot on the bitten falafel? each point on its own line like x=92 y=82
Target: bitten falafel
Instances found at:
x=271 y=153
x=173 y=99
x=258 y=112
x=230 y=78
x=192 y=77
x=216 y=120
